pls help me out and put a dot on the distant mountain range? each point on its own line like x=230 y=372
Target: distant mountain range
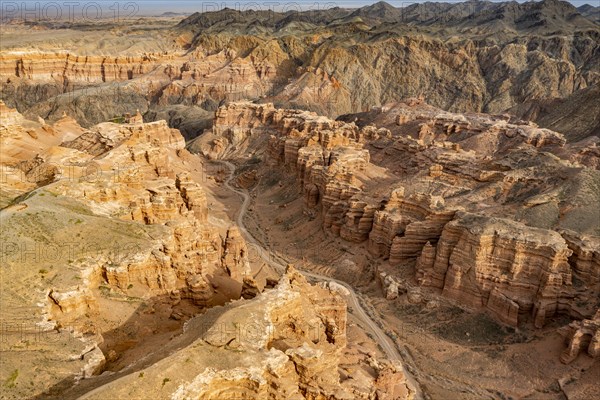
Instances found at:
x=472 y=17
x=590 y=12
x=536 y=60
x=174 y=14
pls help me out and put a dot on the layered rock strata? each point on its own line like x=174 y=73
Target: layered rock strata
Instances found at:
x=582 y=336
x=526 y=59
x=451 y=183
x=114 y=213
x=286 y=343
x=64 y=67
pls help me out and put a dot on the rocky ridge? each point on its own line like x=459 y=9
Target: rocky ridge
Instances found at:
x=286 y=343
x=457 y=211
x=330 y=61
x=108 y=244
x=96 y=218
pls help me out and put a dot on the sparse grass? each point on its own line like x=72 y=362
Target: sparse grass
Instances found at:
x=271 y=180
x=118 y=119
x=104 y=290
x=10 y=382
x=165 y=381
x=43 y=271
x=494 y=352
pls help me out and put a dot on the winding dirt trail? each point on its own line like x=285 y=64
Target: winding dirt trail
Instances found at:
x=279 y=265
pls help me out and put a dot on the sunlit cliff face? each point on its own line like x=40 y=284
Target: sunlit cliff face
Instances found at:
x=338 y=203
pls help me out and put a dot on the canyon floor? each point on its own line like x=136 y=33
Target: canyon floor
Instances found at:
x=376 y=203
x=454 y=352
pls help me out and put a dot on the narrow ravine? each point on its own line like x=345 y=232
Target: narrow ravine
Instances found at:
x=88 y=388
x=279 y=265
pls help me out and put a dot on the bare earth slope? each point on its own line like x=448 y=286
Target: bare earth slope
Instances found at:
x=498 y=215
x=473 y=56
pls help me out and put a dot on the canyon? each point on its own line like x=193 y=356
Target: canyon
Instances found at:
x=484 y=210
x=368 y=203
x=111 y=254
x=523 y=59
x=451 y=182
x=110 y=215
